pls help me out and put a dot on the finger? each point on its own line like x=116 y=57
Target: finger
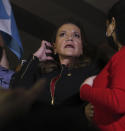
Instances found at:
x=93 y=77
x=48 y=51
x=49 y=47
x=49 y=54
x=43 y=43
x=46 y=58
x=91 y=106
x=48 y=44
x=50 y=58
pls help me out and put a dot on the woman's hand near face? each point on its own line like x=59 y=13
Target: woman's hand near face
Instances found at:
x=45 y=51
x=89 y=111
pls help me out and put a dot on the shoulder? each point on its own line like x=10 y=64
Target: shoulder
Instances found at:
x=119 y=57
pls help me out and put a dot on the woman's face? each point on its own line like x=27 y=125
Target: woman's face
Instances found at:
x=68 y=41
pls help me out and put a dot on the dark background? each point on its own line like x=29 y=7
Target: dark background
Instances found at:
x=36 y=20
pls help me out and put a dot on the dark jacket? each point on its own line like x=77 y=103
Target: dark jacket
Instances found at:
x=67 y=111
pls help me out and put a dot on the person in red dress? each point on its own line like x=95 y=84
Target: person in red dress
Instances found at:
x=106 y=91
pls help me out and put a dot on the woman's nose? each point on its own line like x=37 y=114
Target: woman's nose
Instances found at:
x=70 y=37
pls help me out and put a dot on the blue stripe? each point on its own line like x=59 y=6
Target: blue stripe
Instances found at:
x=3 y=13
x=11 y=40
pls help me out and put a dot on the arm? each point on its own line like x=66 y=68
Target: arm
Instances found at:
x=25 y=76
x=112 y=97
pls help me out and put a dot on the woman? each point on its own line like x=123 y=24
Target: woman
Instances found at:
x=59 y=106
x=106 y=91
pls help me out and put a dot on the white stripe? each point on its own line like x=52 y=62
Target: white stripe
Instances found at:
x=7 y=6
x=5 y=26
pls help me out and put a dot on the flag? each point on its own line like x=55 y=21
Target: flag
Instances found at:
x=8 y=29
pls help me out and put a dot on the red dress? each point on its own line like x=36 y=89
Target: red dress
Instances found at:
x=108 y=94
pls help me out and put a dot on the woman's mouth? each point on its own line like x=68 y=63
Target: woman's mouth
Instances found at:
x=69 y=46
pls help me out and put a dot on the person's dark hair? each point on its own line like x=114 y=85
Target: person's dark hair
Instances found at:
x=104 y=54
x=118 y=12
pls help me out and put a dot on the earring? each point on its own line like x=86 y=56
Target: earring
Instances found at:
x=55 y=53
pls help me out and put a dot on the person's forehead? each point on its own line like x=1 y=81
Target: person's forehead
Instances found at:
x=69 y=26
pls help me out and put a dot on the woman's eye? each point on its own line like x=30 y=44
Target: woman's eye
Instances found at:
x=62 y=34
x=77 y=35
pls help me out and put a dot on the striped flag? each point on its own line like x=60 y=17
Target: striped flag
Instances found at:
x=9 y=29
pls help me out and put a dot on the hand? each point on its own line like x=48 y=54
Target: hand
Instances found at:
x=45 y=51
x=89 y=111
x=89 y=81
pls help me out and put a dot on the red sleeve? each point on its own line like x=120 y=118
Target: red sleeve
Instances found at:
x=113 y=96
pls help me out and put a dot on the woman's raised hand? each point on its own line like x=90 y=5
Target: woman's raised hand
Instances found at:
x=45 y=51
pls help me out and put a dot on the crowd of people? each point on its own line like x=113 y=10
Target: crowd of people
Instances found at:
x=59 y=87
